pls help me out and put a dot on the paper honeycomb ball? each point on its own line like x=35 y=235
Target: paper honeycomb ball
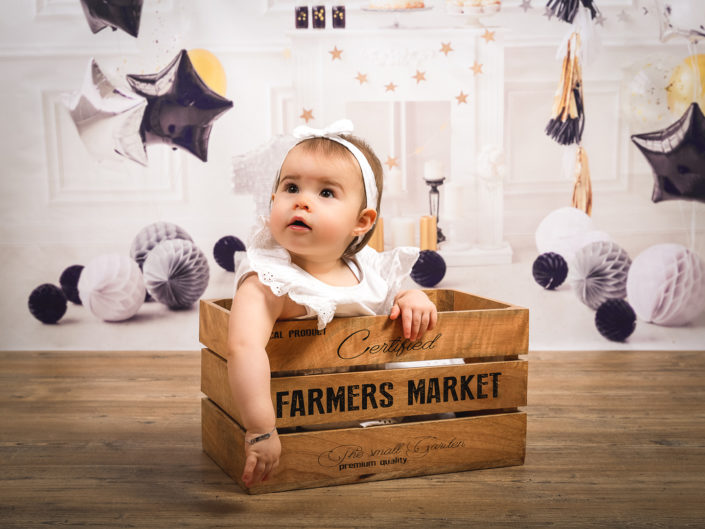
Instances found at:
x=599 y=272
x=429 y=269
x=615 y=320
x=176 y=273
x=564 y=231
x=224 y=251
x=151 y=235
x=666 y=285
x=111 y=287
x=69 y=283
x=550 y=270
x=47 y=303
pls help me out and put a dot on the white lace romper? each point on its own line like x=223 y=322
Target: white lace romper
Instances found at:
x=380 y=277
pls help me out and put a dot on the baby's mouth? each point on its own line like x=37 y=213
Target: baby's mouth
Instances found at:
x=299 y=224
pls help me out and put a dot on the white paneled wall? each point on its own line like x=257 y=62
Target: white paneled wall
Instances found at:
x=52 y=193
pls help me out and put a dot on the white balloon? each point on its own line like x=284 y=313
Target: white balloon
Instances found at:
x=563 y=232
x=111 y=287
x=666 y=285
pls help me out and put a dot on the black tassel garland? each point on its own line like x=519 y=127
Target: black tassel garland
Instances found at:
x=567 y=9
x=567 y=115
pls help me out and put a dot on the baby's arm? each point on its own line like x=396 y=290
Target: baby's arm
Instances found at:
x=255 y=309
x=418 y=313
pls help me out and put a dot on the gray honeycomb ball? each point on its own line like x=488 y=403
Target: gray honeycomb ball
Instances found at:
x=176 y=273
x=151 y=235
x=599 y=272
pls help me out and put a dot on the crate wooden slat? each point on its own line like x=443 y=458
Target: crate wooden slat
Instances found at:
x=328 y=398
x=468 y=327
x=335 y=457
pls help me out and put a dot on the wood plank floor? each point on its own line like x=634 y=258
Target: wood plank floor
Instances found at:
x=101 y=439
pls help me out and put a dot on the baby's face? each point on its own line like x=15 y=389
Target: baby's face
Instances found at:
x=316 y=206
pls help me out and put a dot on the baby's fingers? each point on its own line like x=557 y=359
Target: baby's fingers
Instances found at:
x=250 y=464
x=394 y=314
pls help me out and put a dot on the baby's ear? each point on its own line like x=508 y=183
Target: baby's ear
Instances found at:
x=365 y=221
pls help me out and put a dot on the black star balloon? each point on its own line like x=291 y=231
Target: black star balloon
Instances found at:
x=181 y=108
x=677 y=156
x=123 y=14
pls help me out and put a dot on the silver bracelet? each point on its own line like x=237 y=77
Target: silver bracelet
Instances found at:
x=262 y=437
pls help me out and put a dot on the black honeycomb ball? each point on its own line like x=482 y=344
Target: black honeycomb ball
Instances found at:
x=550 y=270
x=69 y=283
x=224 y=251
x=615 y=319
x=47 y=303
x=429 y=269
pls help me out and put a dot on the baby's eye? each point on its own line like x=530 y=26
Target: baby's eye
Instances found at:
x=291 y=188
x=327 y=193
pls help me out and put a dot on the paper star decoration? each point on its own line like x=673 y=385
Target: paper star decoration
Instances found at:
x=391 y=162
x=419 y=76
x=548 y=13
x=446 y=48
x=488 y=35
x=361 y=77
x=525 y=5
x=307 y=114
x=108 y=119
x=623 y=16
x=335 y=53
x=677 y=156
x=181 y=108
x=476 y=68
x=462 y=98
x=391 y=87
x=600 y=20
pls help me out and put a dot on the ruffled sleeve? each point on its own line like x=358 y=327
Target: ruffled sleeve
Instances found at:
x=393 y=266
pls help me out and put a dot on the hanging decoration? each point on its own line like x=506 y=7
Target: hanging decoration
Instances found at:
x=567 y=115
x=123 y=14
x=567 y=9
x=107 y=118
x=181 y=107
x=582 y=188
x=677 y=156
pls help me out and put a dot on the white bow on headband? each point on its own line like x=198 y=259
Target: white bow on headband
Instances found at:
x=342 y=126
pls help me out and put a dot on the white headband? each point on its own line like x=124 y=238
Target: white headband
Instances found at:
x=332 y=132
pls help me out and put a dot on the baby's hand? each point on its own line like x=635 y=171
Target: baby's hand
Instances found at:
x=418 y=313
x=260 y=458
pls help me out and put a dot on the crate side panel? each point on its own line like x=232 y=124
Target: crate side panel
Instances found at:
x=367 y=395
x=335 y=457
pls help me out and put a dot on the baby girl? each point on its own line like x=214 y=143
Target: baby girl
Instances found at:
x=310 y=259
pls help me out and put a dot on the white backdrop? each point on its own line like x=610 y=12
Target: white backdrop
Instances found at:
x=60 y=207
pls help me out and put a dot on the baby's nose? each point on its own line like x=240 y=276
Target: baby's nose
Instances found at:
x=302 y=202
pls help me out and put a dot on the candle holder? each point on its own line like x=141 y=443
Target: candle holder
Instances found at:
x=434 y=199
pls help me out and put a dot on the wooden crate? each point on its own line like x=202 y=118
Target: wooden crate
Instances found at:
x=318 y=414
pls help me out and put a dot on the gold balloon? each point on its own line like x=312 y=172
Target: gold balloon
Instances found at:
x=209 y=69
x=687 y=84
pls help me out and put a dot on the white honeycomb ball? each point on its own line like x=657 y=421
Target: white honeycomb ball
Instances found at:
x=111 y=287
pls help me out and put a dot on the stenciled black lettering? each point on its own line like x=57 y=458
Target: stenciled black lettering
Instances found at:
x=335 y=399
x=352 y=395
x=465 y=390
x=481 y=383
x=368 y=396
x=297 y=403
x=417 y=393
x=388 y=398
x=434 y=390
x=449 y=384
x=495 y=384
x=315 y=395
x=281 y=395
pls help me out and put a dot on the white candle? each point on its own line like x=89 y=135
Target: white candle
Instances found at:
x=394 y=182
x=433 y=170
x=403 y=231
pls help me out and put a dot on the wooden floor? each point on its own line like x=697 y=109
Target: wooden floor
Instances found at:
x=615 y=439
